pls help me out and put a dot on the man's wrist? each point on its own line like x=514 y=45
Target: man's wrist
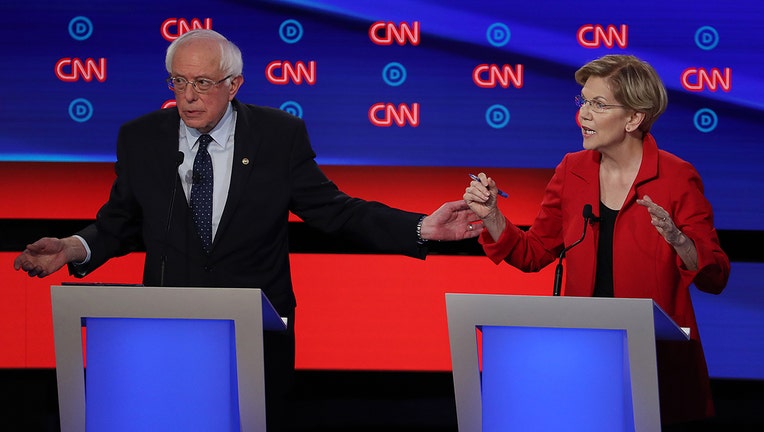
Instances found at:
x=79 y=252
x=419 y=239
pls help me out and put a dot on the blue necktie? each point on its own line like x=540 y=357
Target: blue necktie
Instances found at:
x=201 y=192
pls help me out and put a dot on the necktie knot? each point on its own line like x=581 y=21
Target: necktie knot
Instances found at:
x=204 y=141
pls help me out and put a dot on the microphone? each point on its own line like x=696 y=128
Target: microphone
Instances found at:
x=589 y=219
x=196 y=178
x=163 y=261
x=589 y=215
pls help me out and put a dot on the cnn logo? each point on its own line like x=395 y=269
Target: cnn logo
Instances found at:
x=72 y=69
x=283 y=72
x=698 y=79
x=173 y=28
x=594 y=36
x=387 y=114
x=491 y=75
x=385 y=33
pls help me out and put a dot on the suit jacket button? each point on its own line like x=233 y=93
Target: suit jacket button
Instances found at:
x=208 y=268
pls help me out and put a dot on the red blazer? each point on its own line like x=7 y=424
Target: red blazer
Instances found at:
x=644 y=264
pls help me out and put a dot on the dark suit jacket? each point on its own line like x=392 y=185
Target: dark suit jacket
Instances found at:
x=274 y=171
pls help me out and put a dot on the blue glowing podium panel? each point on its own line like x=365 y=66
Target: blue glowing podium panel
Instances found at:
x=579 y=376
x=556 y=363
x=186 y=359
x=161 y=374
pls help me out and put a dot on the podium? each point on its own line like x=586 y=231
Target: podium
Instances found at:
x=556 y=363
x=161 y=358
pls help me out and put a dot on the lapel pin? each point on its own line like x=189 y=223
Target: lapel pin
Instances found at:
x=245 y=161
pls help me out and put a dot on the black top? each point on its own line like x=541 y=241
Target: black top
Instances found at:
x=603 y=282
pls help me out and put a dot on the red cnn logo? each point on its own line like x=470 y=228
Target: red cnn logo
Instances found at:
x=172 y=28
x=698 y=79
x=72 y=69
x=385 y=114
x=491 y=75
x=385 y=32
x=594 y=36
x=283 y=72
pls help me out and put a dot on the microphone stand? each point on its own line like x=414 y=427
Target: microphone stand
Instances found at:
x=163 y=260
x=588 y=216
x=558 y=270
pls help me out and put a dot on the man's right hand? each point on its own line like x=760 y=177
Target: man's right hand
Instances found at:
x=48 y=255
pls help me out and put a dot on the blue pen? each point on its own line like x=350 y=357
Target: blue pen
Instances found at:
x=500 y=192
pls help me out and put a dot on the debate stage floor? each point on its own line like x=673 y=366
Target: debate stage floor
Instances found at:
x=341 y=401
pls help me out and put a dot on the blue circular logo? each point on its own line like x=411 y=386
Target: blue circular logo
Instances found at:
x=80 y=28
x=497 y=116
x=292 y=107
x=706 y=38
x=290 y=31
x=498 y=34
x=705 y=120
x=80 y=110
x=394 y=74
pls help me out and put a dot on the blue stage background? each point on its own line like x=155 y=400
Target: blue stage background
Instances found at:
x=718 y=130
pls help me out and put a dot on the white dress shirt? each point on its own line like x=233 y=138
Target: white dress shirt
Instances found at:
x=221 y=152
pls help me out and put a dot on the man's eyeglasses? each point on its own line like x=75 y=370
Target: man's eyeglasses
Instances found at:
x=201 y=85
x=594 y=105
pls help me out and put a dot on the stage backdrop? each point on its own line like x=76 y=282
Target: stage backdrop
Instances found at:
x=402 y=100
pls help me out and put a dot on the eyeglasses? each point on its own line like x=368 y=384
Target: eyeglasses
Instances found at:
x=594 y=105
x=201 y=85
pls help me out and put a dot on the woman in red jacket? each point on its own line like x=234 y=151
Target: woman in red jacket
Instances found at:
x=654 y=235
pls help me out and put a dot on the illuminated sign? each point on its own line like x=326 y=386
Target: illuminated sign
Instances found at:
x=491 y=75
x=283 y=72
x=594 y=36
x=699 y=79
x=385 y=33
x=172 y=28
x=72 y=69
x=385 y=114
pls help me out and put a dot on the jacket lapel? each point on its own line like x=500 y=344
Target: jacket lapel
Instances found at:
x=649 y=168
x=247 y=139
x=588 y=175
x=166 y=146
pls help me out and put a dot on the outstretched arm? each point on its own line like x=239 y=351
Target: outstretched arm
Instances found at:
x=48 y=255
x=452 y=221
x=480 y=196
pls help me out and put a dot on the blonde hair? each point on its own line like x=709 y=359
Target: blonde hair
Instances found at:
x=634 y=83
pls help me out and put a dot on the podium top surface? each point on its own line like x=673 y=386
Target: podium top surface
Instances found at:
x=574 y=312
x=130 y=301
